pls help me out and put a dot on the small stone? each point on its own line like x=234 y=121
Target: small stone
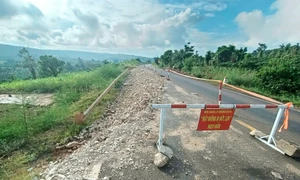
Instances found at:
x=72 y=144
x=160 y=159
x=277 y=175
x=35 y=178
x=214 y=173
x=30 y=169
x=110 y=111
x=186 y=173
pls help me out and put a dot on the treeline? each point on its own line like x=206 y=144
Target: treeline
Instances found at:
x=45 y=66
x=276 y=71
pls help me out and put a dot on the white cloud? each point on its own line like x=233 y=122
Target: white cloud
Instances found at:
x=209 y=15
x=133 y=26
x=202 y=5
x=281 y=27
x=215 y=7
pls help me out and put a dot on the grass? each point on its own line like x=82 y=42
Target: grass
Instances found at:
x=29 y=133
x=284 y=98
x=235 y=76
x=79 y=82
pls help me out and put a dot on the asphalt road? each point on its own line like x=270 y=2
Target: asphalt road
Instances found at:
x=207 y=155
x=224 y=155
x=261 y=119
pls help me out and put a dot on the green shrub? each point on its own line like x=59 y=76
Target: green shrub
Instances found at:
x=280 y=76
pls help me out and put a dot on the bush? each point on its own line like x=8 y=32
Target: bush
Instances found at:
x=280 y=76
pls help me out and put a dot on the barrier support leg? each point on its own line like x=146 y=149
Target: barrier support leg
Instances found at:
x=275 y=126
x=160 y=146
x=270 y=137
x=161 y=127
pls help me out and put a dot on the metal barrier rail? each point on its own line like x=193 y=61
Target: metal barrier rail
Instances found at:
x=203 y=106
x=268 y=140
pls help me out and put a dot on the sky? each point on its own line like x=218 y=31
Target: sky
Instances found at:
x=148 y=27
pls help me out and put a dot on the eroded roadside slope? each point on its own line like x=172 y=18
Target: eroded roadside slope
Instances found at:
x=129 y=128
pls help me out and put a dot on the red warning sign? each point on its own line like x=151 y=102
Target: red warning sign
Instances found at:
x=215 y=119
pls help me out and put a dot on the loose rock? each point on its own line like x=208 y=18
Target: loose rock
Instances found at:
x=160 y=160
x=277 y=175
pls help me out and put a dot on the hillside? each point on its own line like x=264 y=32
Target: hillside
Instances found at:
x=9 y=52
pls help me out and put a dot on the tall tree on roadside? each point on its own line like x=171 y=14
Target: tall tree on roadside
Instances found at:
x=261 y=49
x=208 y=57
x=156 y=59
x=188 y=50
x=28 y=62
x=50 y=66
x=166 y=57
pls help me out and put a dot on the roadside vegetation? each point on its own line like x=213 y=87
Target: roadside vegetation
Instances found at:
x=29 y=134
x=274 y=73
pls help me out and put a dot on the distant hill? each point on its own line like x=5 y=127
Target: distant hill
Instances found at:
x=9 y=52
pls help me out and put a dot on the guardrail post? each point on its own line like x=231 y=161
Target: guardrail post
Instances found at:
x=275 y=126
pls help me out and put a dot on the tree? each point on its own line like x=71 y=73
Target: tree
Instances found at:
x=188 y=50
x=138 y=60
x=28 y=62
x=69 y=67
x=179 y=58
x=156 y=59
x=50 y=66
x=80 y=65
x=261 y=49
x=223 y=54
x=188 y=63
x=208 y=57
x=166 y=57
x=105 y=62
